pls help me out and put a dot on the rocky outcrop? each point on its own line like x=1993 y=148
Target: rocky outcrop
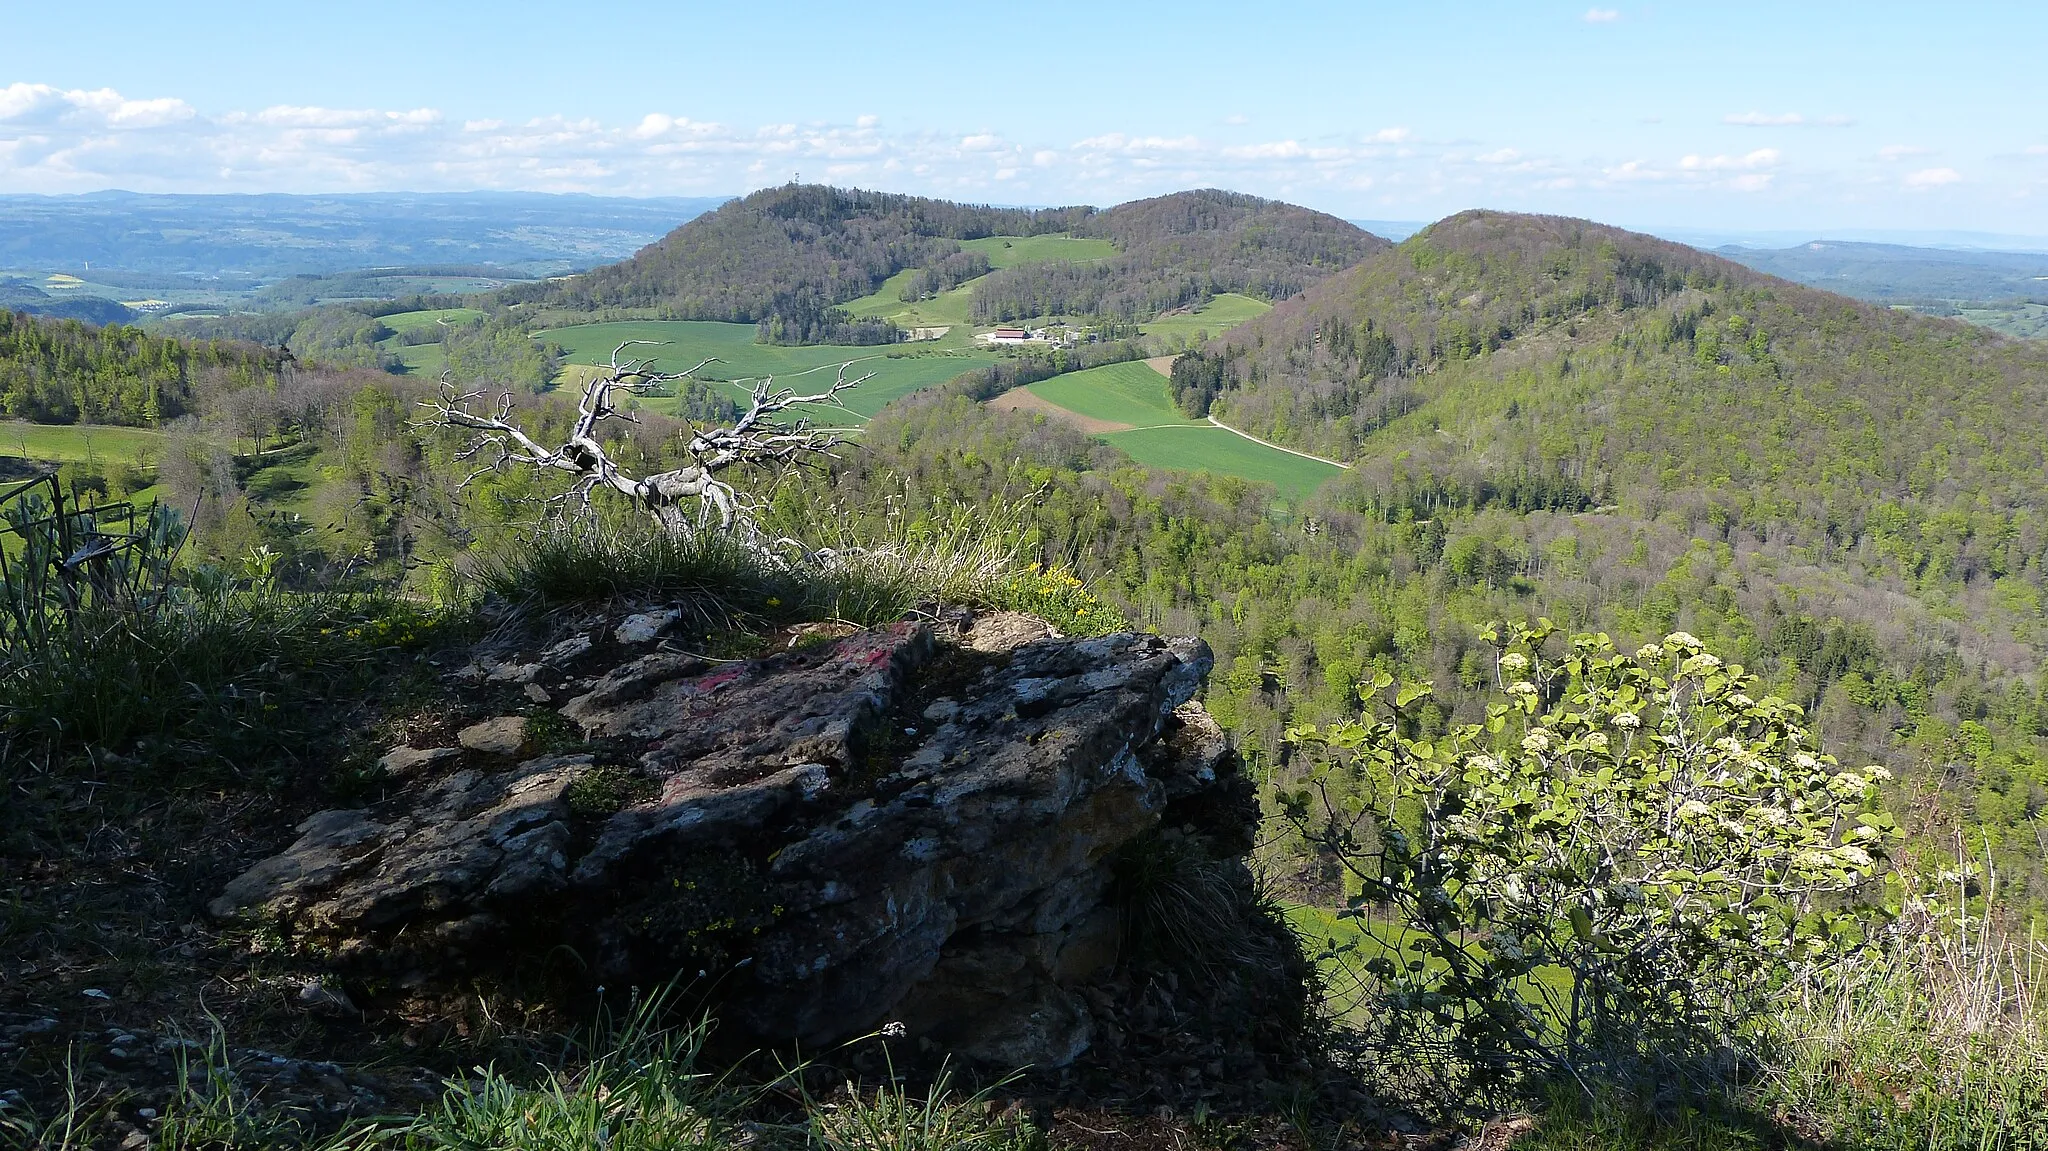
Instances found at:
x=911 y=824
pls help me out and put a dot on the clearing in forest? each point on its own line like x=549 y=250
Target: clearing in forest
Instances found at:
x=79 y=443
x=1128 y=405
x=1025 y=400
x=1131 y=394
x=955 y=308
x=1223 y=312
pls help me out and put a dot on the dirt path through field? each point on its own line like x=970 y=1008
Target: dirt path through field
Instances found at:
x=1022 y=400
x=1277 y=447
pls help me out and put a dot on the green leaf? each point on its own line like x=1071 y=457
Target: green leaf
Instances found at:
x=1410 y=692
x=1582 y=923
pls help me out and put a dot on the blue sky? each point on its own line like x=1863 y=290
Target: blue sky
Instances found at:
x=1786 y=115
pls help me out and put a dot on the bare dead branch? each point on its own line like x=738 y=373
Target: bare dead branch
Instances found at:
x=756 y=438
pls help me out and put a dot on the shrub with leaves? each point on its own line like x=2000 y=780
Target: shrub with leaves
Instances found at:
x=1607 y=878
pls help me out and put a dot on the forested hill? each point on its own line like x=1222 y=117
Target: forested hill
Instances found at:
x=1494 y=345
x=789 y=251
x=1178 y=250
x=1585 y=407
x=791 y=254
x=64 y=371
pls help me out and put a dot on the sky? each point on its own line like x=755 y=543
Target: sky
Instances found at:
x=1794 y=114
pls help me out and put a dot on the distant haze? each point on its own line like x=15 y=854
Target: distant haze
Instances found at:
x=275 y=235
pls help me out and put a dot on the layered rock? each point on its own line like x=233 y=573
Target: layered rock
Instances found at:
x=894 y=825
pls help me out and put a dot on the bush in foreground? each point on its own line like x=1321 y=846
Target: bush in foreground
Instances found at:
x=1612 y=885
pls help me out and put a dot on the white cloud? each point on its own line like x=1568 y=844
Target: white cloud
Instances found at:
x=1633 y=171
x=58 y=140
x=2037 y=149
x=1601 y=15
x=1933 y=177
x=1900 y=151
x=102 y=108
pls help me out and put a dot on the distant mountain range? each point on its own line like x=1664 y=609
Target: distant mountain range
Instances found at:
x=1896 y=273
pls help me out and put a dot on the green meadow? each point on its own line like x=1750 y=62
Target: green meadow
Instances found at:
x=403 y=322
x=1206 y=448
x=1161 y=436
x=1129 y=393
x=420 y=359
x=679 y=344
x=1009 y=251
x=955 y=309
x=1224 y=311
x=79 y=443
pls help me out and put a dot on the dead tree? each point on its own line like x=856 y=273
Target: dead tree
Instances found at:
x=755 y=438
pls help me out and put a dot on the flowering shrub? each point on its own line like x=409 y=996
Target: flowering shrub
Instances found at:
x=1058 y=597
x=1613 y=883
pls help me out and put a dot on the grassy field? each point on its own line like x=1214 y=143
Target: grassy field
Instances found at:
x=2027 y=320
x=1158 y=435
x=898 y=370
x=1130 y=393
x=1009 y=251
x=1223 y=452
x=74 y=443
x=419 y=359
x=403 y=322
x=1227 y=310
x=955 y=309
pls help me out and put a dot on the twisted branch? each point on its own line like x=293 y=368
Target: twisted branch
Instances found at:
x=755 y=438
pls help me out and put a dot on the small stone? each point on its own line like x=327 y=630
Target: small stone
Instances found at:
x=566 y=650
x=505 y=735
x=942 y=711
x=134 y=1141
x=96 y=993
x=325 y=1000
x=514 y=673
x=537 y=693
x=643 y=627
x=402 y=761
x=145 y=1112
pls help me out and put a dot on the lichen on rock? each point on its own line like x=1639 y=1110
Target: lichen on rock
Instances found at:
x=915 y=823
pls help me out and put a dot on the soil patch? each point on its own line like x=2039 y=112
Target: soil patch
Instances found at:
x=1162 y=364
x=1024 y=400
